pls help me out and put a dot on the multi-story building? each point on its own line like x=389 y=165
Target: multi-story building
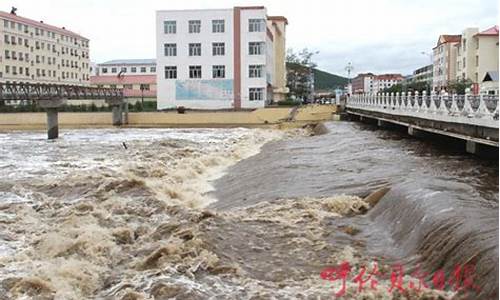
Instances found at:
x=32 y=51
x=137 y=77
x=444 y=55
x=423 y=74
x=384 y=81
x=217 y=58
x=277 y=25
x=363 y=83
x=477 y=54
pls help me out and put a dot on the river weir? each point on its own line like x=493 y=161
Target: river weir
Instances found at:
x=240 y=214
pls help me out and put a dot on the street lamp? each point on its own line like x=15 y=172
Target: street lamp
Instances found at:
x=349 y=69
x=429 y=55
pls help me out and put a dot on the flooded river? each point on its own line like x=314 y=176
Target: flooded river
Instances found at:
x=238 y=214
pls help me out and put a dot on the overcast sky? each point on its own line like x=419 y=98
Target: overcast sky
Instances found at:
x=375 y=35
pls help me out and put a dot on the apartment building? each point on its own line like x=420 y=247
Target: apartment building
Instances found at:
x=477 y=55
x=444 y=55
x=33 y=51
x=423 y=74
x=219 y=58
x=277 y=25
x=363 y=83
x=137 y=77
x=384 y=81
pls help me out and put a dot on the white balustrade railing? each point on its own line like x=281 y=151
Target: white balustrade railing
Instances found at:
x=443 y=106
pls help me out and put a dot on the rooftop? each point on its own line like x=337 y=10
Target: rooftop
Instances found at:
x=278 y=18
x=39 y=24
x=448 y=38
x=489 y=32
x=121 y=62
x=389 y=77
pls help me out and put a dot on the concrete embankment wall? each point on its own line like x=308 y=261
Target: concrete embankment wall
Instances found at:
x=257 y=117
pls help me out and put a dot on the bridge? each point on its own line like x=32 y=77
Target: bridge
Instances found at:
x=53 y=96
x=472 y=118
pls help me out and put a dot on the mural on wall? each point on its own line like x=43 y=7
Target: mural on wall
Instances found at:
x=204 y=89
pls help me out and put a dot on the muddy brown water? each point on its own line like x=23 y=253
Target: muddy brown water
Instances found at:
x=83 y=217
x=442 y=210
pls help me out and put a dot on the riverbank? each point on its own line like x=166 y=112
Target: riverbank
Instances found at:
x=255 y=118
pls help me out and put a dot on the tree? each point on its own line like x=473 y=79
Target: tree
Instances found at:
x=304 y=57
x=300 y=75
x=459 y=86
x=397 y=88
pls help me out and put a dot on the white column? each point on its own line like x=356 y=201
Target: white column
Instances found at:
x=432 y=105
x=467 y=110
x=454 y=110
x=482 y=111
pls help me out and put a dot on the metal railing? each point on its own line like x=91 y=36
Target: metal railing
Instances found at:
x=36 y=91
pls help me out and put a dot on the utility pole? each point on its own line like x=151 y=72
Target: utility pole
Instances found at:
x=349 y=69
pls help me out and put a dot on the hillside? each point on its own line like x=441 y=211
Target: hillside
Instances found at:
x=327 y=81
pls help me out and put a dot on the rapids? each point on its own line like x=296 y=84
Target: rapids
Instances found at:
x=223 y=213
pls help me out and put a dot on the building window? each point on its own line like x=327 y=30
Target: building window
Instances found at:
x=476 y=77
x=463 y=63
x=170 y=49
x=219 y=71
x=194 y=26
x=477 y=60
x=218 y=49
x=218 y=26
x=255 y=71
x=127 y=86
x=255 y=48
x=170 y=72
x=113 y=70
x=256 y=25
x=6 y=39
x=123 y=69
x=133 y=70
x=194 y=71
x=152 y=69
x=464 y=44
x=170 y=27
x=143 y=69
x=144 y=87
x=195 y=49
x=256 y=94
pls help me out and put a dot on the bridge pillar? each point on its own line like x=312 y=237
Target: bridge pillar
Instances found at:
x=51 y=107
x=117 y=110
x=381 y=123
x=125 y=112
x=471 y=147
x=412 y=131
